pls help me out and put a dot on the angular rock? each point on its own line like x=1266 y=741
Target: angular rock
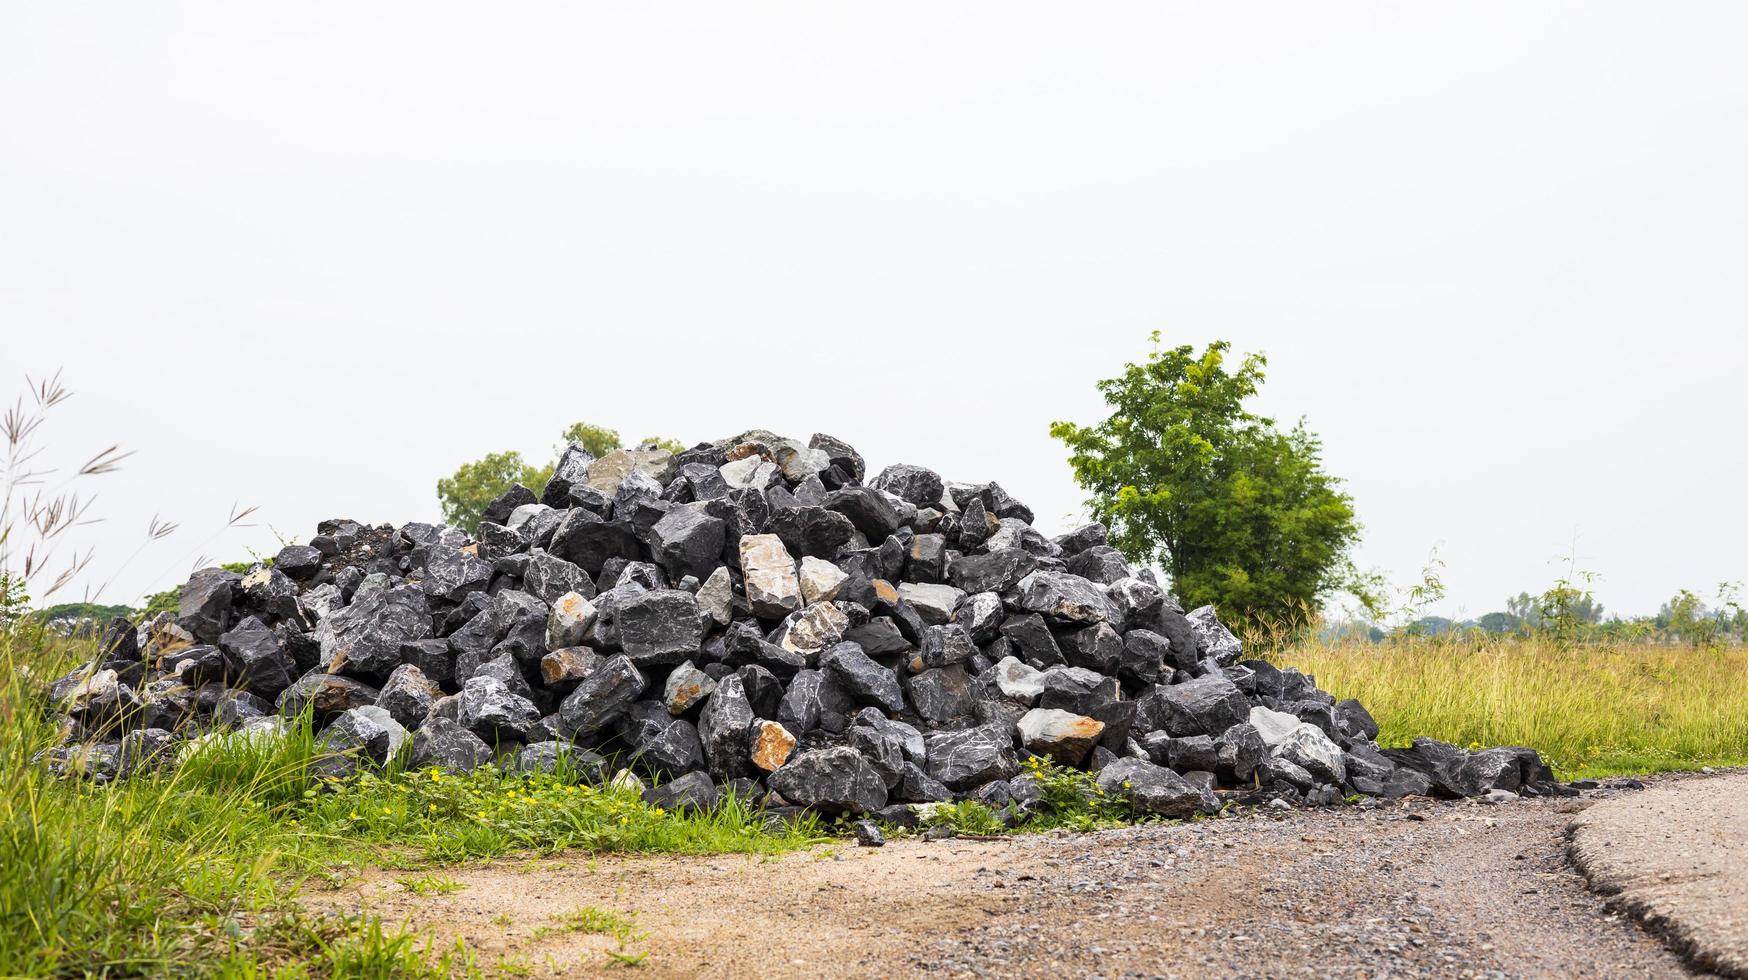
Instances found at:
x=569 y=621
x=831 y=780
x=866 y=681
x=686 y=687
x=773 y=588
x=489 y=709
x=813 y=629
x=601 y=697
x=934 y=603
x=688 y=541
x=567 y=665
x=915 y=484
x=662 y=745
x=1062 y=736
x=1150 y=788
x=694 y=791
x=325 y=695
x=819 y=580
x=725 y=729
x=408 y=695
x=659 y=628
x=1202 y=706
x=772 y=745
x=1061 y=596
x=970 y=757
x=364 y=639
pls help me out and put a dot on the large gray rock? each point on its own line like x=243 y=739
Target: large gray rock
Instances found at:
x=970 y=757
x=1202 y=706
x=832 y=780
x=364 y=639
x=489 y=709
x=662 y=745
x=325 y=695
x=998 y=571
x=1213 y=640
x=445 y=744
x=725 y=729
x=451 y=573
x=917 y=485
x=687 y=541
x=1061 y=596
x=1154 y=789
x=408 y=695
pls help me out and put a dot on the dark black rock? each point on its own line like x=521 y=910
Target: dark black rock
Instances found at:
x=831 y=780
x=723 y=727
x=868 y=510
x=299 y=562
x=694 y=791
x=944 y=697
x=600 y=698
x=917 y=485
x=816 y=699
x=1203 y=706
x=662 y=746
x=661 y=628
x=1077 y=690
x=687 y=541
x=1033 y=642
x=998 y=571
x=1101 y=563
x=445 y=744
x=866 y=681
x=1062 y=597
x=812 y=531
x=868 y=835
x=408 y=695
x=205 y=606
x=364 y=639
x=325 y=695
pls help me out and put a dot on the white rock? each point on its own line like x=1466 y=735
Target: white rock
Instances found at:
x=1272 y=725
x=526 y=513
x=567 y=625
x=934 y=603
x=819 y=579
x=756 y=472
x=716 y=596
x=773 y=588
x=1019 y=682
x=1307 y=747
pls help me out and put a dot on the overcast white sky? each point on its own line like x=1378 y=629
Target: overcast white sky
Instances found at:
x=311 y=256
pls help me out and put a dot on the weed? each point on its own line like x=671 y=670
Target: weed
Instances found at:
x=430 y=885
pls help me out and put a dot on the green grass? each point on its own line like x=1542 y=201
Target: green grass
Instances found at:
x=1591 y=710
x=194 y=870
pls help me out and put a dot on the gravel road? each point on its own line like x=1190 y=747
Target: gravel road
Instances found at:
x=1415 y=889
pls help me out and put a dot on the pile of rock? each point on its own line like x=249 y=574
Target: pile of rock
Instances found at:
x=756 y=616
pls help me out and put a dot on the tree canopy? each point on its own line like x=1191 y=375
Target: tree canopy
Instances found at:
x=1238 y=512
x=464 y=494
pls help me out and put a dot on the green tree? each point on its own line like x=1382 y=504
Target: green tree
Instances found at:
x=1238 y=512
x=465 y=494
x=597 y=439
x=674 y=446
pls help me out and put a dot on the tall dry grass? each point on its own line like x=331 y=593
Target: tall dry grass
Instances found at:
x=1592 y=710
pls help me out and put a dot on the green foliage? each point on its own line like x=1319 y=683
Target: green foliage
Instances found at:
x=674 y=446
x=1240 y=513
x=465 y=494
x=490 y=812
x=192 y=870
x=597 y=439
x=1069 y=799
x=1596 y=708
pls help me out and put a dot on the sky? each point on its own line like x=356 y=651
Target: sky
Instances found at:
x=308 y=258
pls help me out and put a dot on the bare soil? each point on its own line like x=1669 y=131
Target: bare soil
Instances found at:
x=1412 y=889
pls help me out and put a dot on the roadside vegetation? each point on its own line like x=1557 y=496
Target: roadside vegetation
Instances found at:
x=194 y=869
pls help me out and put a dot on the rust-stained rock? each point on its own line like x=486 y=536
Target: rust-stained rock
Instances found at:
x=1061 y=735
x=772 y=745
